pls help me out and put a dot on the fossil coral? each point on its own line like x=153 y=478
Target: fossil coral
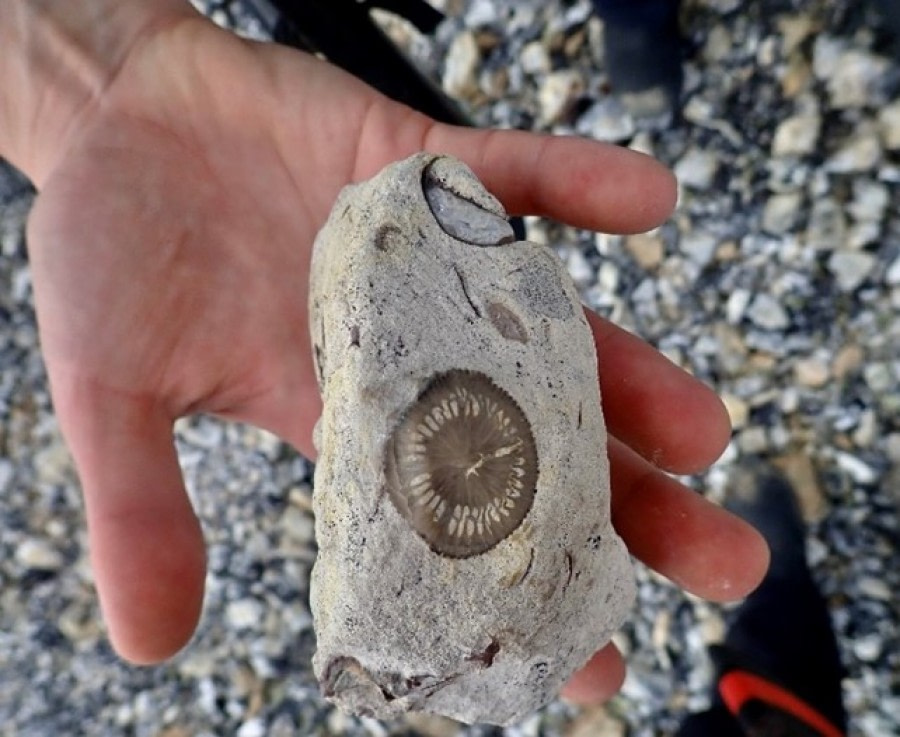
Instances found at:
x=461 y=465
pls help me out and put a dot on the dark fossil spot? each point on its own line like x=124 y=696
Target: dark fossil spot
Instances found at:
x=461 y=465
x=388 y=237
x=507 y=322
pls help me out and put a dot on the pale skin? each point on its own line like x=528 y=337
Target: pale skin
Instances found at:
x=182 y=176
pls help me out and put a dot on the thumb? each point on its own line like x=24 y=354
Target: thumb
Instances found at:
x=146 y=545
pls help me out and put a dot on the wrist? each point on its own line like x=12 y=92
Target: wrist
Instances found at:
x=56 y=60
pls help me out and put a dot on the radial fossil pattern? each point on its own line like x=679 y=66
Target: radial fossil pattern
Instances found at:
x=462 y=465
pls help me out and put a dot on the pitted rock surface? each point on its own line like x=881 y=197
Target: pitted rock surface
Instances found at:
x=467 y=565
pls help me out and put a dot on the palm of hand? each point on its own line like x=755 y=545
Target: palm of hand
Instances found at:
x=181 y=221
x=170 y=249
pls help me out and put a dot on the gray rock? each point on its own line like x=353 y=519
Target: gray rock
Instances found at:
x=38 y=555
x=466 y=565
x=534 y=58
x=558 y=93
x=827 y=227
x=854 y=79
x=607 y=120
x=868 y=647
x=861 y=152
x=782 y=212
x=460 y=66
x=697 y=168
x=766 y=312
x=850 y=268
x=797 y=135
x=870 y=200
x=244 y=613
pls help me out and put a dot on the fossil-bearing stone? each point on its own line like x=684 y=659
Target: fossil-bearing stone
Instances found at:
x=467 y=565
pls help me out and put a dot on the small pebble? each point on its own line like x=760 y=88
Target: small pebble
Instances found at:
x=766 y=312
x=868 y=648
x=797 y=136
x=856 y=468
x=874 y=588
x=244 y=613
x=850 y=268
x=812 y=372
x=861 y=153
x=697 y=168
x=647 y=250
x=557 y=94
x=738 y=410
x=462 y=60
x=38 y=555
x=534 y=58
x=782 y=212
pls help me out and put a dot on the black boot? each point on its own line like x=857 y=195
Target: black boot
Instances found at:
x=779 y=672
x=642 y=51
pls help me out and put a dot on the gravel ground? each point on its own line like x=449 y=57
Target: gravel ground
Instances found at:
x=777 y=281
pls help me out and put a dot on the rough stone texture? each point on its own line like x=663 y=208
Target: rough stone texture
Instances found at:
x=397 y=304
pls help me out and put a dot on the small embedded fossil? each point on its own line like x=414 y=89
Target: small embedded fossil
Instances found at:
x=467 y=565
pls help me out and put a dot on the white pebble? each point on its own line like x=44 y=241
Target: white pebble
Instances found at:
x=875 y=588
x=460 y=65
x=753 y=440
x=38 y=555
x=557 y=93
x=534 y=58
x=854 y=78
x=870 y=199
x=252 y=728
x=607 y=120
x=782 y=212
x=698 y=246
x=813 y=372
x=766 y=312
x=861 y=152
x=867 y=648
x=481 y=13
x=797 y=135
x=697 y=168
x=858 y=470
x=850 y=268
x=244 y=613
x=737 y=304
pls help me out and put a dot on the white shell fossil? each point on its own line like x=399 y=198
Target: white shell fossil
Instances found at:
x=467 y=565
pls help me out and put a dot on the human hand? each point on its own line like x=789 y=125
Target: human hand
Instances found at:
x=170 y=251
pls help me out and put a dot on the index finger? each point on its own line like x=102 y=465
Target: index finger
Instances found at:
x=577 y=181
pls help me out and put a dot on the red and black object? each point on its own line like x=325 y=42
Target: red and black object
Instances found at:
x=766 y=709
x=779 y=669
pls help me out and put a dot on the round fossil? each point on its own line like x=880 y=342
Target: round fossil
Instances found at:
x=461 y=465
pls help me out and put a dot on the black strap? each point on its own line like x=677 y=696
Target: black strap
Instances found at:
x=344 y=33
